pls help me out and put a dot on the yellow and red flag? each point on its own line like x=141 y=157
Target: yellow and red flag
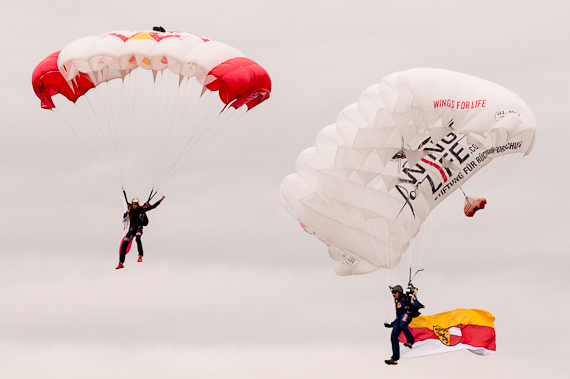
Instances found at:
x=460 y=329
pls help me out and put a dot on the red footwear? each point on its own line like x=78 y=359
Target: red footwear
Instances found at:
x=119 y=266
x=140 y=258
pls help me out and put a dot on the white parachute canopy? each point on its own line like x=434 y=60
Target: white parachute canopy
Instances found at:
x=373 y=178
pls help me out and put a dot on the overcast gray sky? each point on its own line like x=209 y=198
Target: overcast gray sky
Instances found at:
x=231 y=287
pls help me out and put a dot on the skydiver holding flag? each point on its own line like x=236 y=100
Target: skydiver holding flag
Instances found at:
x=407 y=307
x=134 y=219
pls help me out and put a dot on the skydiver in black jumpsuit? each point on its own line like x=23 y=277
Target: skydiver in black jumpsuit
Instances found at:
x=137 y=218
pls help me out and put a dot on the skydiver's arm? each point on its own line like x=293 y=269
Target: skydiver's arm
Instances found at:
x=149 y=207
x=128 y=204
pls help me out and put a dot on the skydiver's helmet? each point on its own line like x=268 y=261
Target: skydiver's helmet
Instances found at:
x=159 y=29
x=397 y=288
x=135 y=201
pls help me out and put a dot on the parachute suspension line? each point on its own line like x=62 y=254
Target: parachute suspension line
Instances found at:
x=389 y=309
x=120 y=125
x=170 y=81
x=177 y=131
x=156 y=129
x=166 y=118
x=186 y=116
x=210 y=115
x=116 y=126
x=204 y=109
x=423 y=244
x=410 y=252
x=109 y=100
x=110 y=95
x=505 y=163
x=128 y=91
x=495 y=171
x=442 y=218
x=224 y=117
x=114 y=119
x=387 y=237
x=107 y=113
x=192 y=90
x=134 y=84
x=151 y=195
x=160 y=121
x=411 y=278
x=171 y=138
x=97 y=130
x=155 y=122
x=202 y=121
x=449 y=216
x=188 y=149
x=74 y=132
x=125 y=121
x=452 y=221
x=428 y=239
x=168 y=130
x=100 y=127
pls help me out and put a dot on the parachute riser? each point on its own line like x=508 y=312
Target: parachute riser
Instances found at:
x=150 y=196
x=411 y=287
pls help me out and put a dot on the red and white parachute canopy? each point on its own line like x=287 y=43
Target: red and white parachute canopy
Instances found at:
x=153 y=80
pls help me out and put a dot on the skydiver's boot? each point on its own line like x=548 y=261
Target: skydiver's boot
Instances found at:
x=409 y=344
x=119 y=266
x=391 y=361
x=140 y=258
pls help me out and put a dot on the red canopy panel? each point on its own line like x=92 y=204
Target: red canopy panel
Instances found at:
x=241 y=81
x=48 y=81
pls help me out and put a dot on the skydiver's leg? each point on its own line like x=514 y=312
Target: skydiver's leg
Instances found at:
x=125 y=245
x=404 y=325
x=139 y=244
x=396 y=330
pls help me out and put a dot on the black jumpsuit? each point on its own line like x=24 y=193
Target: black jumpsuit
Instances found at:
x=136 y=228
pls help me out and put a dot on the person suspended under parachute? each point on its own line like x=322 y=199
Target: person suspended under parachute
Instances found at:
x=387 y=169
x=414 y=335
x=407 y=308
x=134 y=220
x=142 y=102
